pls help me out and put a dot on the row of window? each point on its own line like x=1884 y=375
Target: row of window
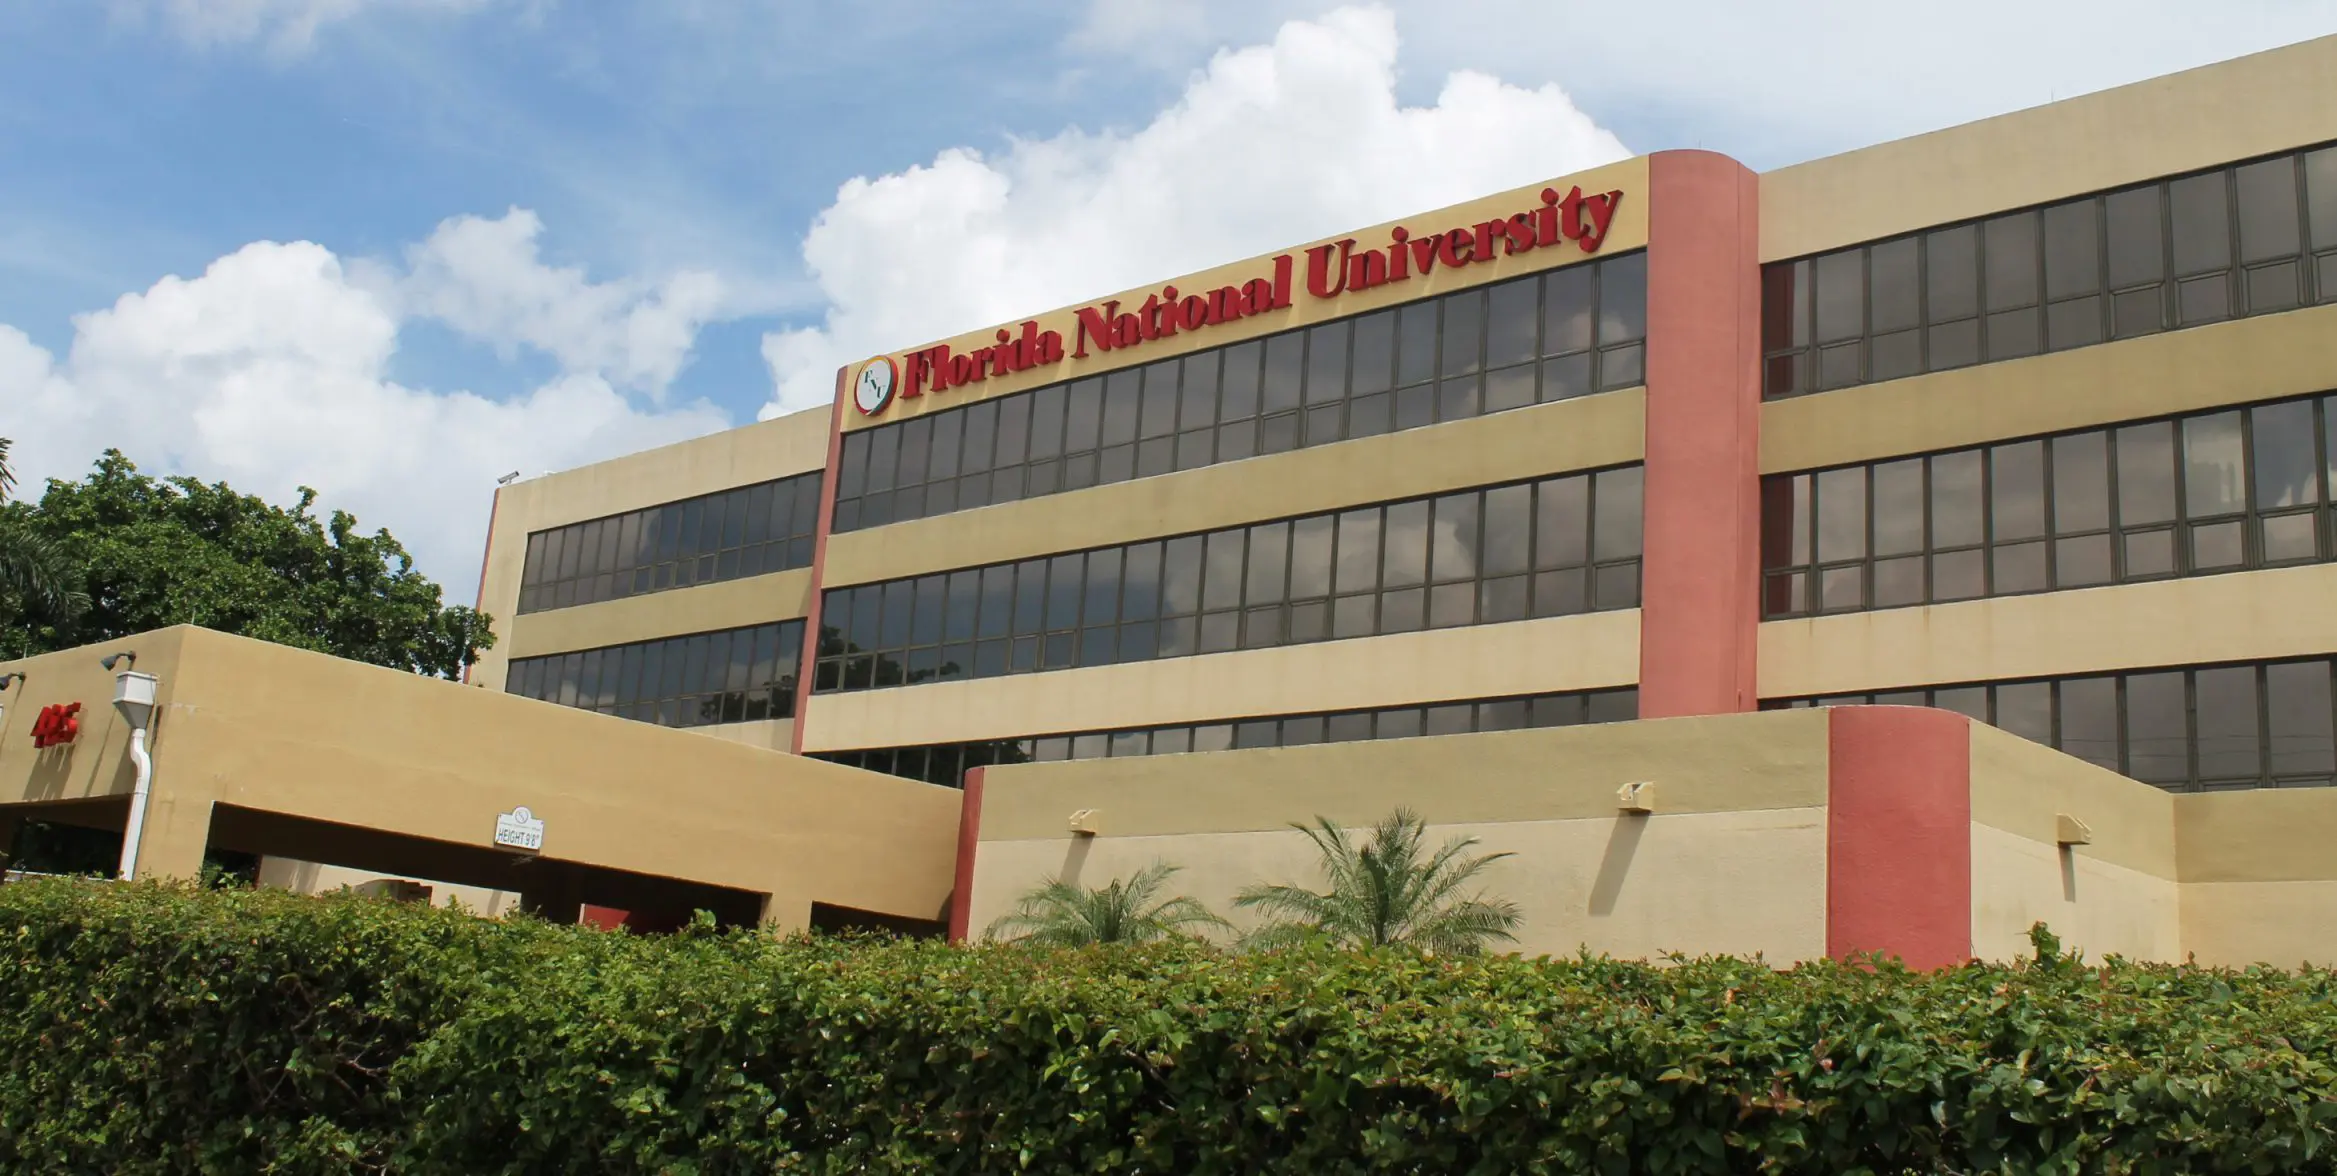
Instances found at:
x=1554 y=336
x=2210 y=492
x=1555 y=546
x=947 y=764
x=766 y=527
x=2250 y=239
x=730 y=676
x=2210 y=727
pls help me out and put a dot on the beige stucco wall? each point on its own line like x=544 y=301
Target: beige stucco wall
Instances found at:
x=2240 y=616
x=2262 y=358
x=1733 y=859
x=2117 y=894
x=1626 y=232
x=1603 y=430
x=2230 y=111
x=1584 y=652
x=285 y=731
x=793 y=444
x=2259 y=876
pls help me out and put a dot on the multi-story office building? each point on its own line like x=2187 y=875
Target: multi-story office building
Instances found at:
x=2033 y=419
x=2023 y=419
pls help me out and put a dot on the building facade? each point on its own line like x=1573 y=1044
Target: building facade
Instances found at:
x=2023 y=419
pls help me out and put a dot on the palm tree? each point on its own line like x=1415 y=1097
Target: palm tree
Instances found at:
x=1387 y=890
x=1057 y=913
x=30 y=568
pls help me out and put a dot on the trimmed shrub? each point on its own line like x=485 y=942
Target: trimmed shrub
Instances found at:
x=152 y=1029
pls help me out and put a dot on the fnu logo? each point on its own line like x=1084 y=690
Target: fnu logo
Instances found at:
x=58 y=723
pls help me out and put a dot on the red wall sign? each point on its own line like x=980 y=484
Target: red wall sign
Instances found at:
x=1576 y=216
x=58 y=723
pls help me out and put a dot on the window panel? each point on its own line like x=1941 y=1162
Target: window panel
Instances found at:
x=1508 y=530
x=2081 y=482
x=1841 y=295
x=1375 y=353
x=1405 y=562
x=1326 y=363
x=1510 y=319
x=1951 y=268
x=2158 y=740
x=2011 y=257
x=2146 y=473
x=2227 y=711
x=1358 y=562
x=1898 y=507
x=2016 y=483
x=2297 y=701
x=2268 y=216
x=1895 y=287
x=1065 y=581
x=1453 y=538
x=1311 y=557
x=2286 y=466
x=1285 y=371
x=2073 y=251
x=1841 y=514
x=1615 y=534
x=2214 y=475
x=2089 y=720
x=1622 y=299
x=2137 y=237
x=1463 y=344
x=1562 y=522
x=1567 y=308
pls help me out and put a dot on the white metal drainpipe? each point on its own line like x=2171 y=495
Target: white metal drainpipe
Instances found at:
x=137 y=825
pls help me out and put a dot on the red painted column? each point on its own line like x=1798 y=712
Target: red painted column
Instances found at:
x=961 y=895
x=1700 y=579
x=1899 y=834
x=809 y=662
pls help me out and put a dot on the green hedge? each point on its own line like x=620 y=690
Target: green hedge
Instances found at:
x=152 y=1029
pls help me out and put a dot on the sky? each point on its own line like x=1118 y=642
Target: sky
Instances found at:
x=395 y=249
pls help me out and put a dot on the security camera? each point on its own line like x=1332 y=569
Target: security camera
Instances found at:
x=111 y=660
x=508 y=479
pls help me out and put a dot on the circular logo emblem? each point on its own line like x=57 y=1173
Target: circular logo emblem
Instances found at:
x=873 y=389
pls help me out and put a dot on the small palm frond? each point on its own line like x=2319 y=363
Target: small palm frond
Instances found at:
x=1059 y=914
x=1387 y=890
x=34 y=570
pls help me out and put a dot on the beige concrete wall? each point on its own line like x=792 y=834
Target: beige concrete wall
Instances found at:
x=790 y=445
x=97 y=763
x=313 y=878
x=775 y=734
x=2250 y=106
x=309 y=736
x=2262 y=358
x=2259 y=876
x=1585 y=652
x=1603 y=430
x=701 y=608
x=1733 y=859
x=2117 y=894
x=2240 y=616
x=1628 y=231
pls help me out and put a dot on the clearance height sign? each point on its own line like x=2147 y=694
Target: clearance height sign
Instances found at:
x=1523 y=231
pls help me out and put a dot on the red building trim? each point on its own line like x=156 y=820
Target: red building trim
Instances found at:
x=961 y=895
x=1899 y=834
x=819 y=560
x=1699 y=585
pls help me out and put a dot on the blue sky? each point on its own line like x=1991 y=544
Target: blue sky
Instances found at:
x=525 y=234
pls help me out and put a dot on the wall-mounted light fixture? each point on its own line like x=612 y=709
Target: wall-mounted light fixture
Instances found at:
x=1636 y=797
x=7 y=680
x=1086 y=822
x=2068 y=830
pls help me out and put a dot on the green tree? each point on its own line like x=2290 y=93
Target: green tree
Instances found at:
x=1389 y=889
x=154 y=552
x=32 y=570
x=1058 y=914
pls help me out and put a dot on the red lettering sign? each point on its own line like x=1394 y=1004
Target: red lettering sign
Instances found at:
x=1331 y=270
x=56 y=724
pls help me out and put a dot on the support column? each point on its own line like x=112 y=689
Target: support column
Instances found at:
x=961 y=895
x=819 y=562
x=1700 y=580
x=1899 y=834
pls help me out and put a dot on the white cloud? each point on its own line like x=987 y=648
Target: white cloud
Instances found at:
x=1270 y=144
x=287 y=26
x=485 y=279
x=268 y=371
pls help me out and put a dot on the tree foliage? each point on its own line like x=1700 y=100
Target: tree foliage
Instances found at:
x=32 y=570
x=153 y=552
x=1059 y=914
x=1389 y=889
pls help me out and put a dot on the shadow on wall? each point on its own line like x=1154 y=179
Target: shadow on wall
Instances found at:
x=1615 y=864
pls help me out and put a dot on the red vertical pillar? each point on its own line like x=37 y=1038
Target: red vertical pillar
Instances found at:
x=1700 y=582
x=1899 y=834
x=961 y=895
x=819 y=562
